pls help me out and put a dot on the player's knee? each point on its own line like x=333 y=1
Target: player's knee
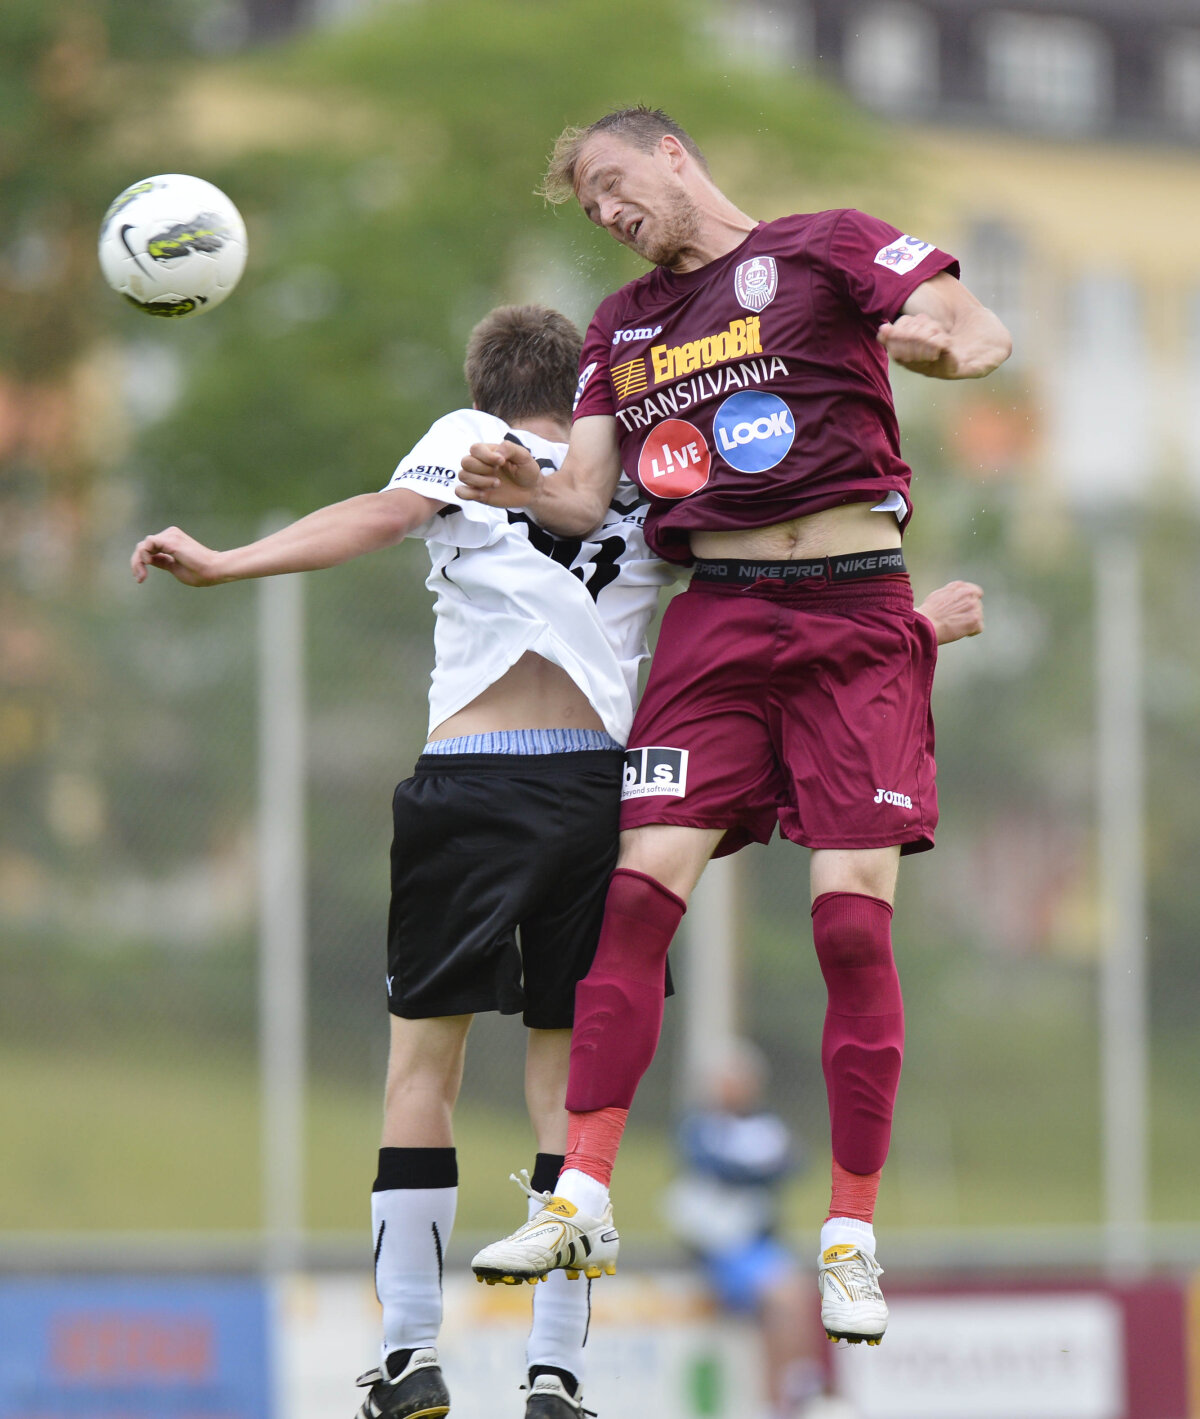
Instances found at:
x=423 y=1083
x=673 y=856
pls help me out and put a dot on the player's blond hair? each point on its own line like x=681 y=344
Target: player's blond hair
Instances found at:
x=522 y=361
x=640 y=127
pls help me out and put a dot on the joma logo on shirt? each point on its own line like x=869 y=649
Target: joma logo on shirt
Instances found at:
x=898 y=800
x=673 y=361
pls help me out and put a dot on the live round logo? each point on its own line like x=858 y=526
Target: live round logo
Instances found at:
x=674 y=461
x=753 y=430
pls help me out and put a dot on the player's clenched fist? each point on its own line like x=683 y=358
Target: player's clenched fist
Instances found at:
x=955 y=609
x=499 y=474
x=919 y=343
x=173 y=551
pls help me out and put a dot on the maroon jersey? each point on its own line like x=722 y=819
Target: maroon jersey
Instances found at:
x=753 y=390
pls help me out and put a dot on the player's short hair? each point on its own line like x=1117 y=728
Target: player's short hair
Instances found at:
x=523 y=360
x=640 y=127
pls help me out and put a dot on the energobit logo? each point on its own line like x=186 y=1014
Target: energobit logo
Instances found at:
x=674 y=361
x=753 y=431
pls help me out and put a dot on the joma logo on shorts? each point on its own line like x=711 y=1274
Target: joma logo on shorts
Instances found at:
x=654 y=772
x=900 y=800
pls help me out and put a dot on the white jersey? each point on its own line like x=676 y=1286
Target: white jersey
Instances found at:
x=505 y=586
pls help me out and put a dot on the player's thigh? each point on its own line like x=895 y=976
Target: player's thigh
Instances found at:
x=852 y=722
x=576 y=846
x=463 y=874
x=700 y=752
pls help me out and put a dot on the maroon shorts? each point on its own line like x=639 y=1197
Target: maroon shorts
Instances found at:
x=804 y=705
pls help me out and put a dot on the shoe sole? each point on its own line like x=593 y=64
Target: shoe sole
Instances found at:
x=833 y=1336
x=437 y=1411
x=494 y=1277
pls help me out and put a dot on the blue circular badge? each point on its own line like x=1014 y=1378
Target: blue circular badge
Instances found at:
x=752 y=431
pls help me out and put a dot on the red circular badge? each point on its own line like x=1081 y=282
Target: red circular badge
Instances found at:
x=674 y=460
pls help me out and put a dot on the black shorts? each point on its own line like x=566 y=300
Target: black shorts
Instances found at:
x=491 y=850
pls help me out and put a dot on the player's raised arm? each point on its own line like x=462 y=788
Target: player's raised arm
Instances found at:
x=569 y=502
x=946 y=332
x=324 y=538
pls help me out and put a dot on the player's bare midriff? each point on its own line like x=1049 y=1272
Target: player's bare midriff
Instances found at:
x=533 y=694
x=830 y=533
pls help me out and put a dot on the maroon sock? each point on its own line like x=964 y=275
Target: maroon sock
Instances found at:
x=863 y=1044
x=619 y=1003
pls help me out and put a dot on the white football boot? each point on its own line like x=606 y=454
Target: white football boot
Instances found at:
x=557 y=1236
x=852 y=1305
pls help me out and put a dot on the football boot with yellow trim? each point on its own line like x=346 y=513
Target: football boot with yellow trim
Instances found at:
x=852 y=1305
x=557 y=1237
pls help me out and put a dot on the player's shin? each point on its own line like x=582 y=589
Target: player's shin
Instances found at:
x=863 y=1042
x=412 y=1212
x=618 y=1019
x=861 y=1052
x=561 y=1309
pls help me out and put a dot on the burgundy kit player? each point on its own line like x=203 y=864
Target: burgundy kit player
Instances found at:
x=743 y=382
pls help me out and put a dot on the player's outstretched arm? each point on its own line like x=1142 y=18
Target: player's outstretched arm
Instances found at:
x=946 y=333
x=955 y=609
x=570 y=501
x=324 y=538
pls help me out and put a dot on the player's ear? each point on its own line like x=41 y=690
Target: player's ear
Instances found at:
x=673 y=149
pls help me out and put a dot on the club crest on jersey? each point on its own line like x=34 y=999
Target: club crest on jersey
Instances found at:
x=585 y=375
x=755 y=282
x=655 y=772
x=674 y=461
x=753 y=430
x=904 y=253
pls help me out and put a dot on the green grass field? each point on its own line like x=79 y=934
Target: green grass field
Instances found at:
x=167 y=1142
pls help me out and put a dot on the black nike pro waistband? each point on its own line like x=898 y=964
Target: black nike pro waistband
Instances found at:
x=850 y=566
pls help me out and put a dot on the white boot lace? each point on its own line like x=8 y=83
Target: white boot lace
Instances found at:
x=525 y=1184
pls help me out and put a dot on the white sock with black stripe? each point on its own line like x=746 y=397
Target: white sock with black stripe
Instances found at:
x=412 y=1216
x=562 y=1309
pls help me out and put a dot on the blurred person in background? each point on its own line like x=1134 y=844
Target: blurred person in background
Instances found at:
x=743 y=382
x=507 y=830
x=724 y=1208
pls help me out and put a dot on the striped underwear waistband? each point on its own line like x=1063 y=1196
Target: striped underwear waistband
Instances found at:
x=850 y=566
x=525 y=741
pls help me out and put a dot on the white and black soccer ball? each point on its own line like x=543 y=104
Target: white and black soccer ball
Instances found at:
x=172 y=245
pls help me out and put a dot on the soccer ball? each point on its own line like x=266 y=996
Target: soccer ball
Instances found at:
x=172 y=245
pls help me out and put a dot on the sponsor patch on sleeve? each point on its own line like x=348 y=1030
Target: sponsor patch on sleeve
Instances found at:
x=903 y=254
x=585 y=376
x=429 y=473
x=654 y=772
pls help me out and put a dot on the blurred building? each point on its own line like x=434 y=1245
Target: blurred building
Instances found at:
x=1061 y=68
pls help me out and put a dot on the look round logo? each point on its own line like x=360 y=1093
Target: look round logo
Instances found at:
x=674 y=461
x=753 y=430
